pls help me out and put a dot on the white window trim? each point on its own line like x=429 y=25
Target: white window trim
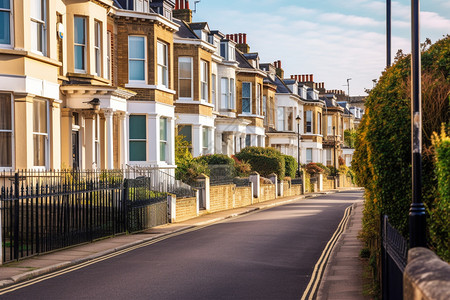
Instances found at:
x=204 y=65
x=98 y=60
x=83 y=71
x=12 y=130
x=11 y=26
x=250 y=99
x=311 y=122
x=108 y=55
x=166 y=141
x=47 y=139
x=258 y=98
x=232 y=96
x=164 y=67
x=138 y=83
x=44 y=33
x=138 y=140
x=192 y=78
x=224 y=104
x=214 y=90
x=329 y=125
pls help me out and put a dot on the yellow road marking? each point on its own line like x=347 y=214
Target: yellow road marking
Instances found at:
x=319 y=267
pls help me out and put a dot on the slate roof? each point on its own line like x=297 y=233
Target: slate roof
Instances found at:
x=251 y=55
x=184 y=31
x=282 y=88
x=198 y=25
x=242 y=61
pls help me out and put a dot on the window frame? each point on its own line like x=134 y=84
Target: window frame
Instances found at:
x=281 y=121
x=204 y=80
x=83 y=46
x=309 y=128
x=191 y=61
x=310 y=151
x=258 y=98
x=98 y=26
x=11 y=131
x=46 y=135
x=205 y=133
x=319 y=123
x=231 y=98
x=214 y=90
x=162 y=66
x=133 y=140
x=11 y=25
x=108 y=55
x=163 y=142
x=224 y=92
x=138 y=81
x=43 y=30
x=249 y=98
x=330 y=125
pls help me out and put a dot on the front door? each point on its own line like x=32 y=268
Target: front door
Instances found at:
x=75 y=150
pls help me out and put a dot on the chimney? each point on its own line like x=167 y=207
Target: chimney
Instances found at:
x=241 y=42
x=182 y=11
x=292 y=76
x=245 y=38
x=280 y=71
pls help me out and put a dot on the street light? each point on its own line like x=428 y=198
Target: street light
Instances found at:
x=388 y=33
x=298 y=144
x=334 y=143
x=348 y=87
x=417 y=215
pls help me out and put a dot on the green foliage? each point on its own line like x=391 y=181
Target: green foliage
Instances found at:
x=439 y=214
x=265 y=161
x=243 y=168
x=187 y=168
x=333 y=171
x=313 y=169
x=290 y=165
x=326 y=170
x=216 y=159
x=350 y=138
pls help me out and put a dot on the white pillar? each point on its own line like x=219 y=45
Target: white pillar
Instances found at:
x=237 y=140
x=109 y=138
x=171 y=142
x=254 y=179
x=197 y=140
x=218 y=142
x=172 y=203
x=254 y=140
x=153 y=139
x=124 y=139
x=212 y=136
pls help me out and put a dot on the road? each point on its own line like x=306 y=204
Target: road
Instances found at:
x=269 y=254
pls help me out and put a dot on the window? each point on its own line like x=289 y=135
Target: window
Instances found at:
x=186 y=132
x=162 y=139
x=330 y=125
x=265 y=109
x=319 y=123
x=246 y=97
x=38 y=25
x=5 y=131
x=232 y=102
x=40 y=132
x=213 y=90
x=163 y=71
x=248 y=139
x=308 y=120
x=5 y=22
x=98 y=48
x=80 y=44
x=271 y=110
x=185 y=77
x=258 y=99
x=308 y=155
x=141 y=5
x=329 y=161
x=136 y=58
x=280 y=118
x=290 y=118
x=204 y=80
x=108 y=55
x=224 y=93
x=231 y=56
x=138 y=137
x=205 y=132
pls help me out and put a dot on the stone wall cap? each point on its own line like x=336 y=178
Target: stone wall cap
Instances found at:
x=254 y=173
x=202 y=176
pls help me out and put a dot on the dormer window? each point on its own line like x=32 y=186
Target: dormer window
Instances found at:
x=227 y=51
x=141 y=5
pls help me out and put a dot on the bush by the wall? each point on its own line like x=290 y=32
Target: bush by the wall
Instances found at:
x=264 y=160
x=290 y=165
x=314 y=169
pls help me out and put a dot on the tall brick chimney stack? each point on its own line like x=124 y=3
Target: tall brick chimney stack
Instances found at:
x=280 y=71
x=182 y=11
x=241 y=41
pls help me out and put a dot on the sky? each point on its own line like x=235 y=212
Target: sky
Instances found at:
x=334 y=40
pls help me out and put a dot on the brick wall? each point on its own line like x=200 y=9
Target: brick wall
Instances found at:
x=328 y=184
x=186 y=208
x=222 y=197
x=267 y=192
x=243 y=196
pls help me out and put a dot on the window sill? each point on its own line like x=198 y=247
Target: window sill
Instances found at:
x=143 y=85
x=250 y=115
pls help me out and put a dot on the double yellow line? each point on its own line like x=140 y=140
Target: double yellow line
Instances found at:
x=93 y=261
x=313 y=284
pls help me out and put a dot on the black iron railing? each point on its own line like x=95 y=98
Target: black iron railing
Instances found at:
x=394 y=256
x=44 y=211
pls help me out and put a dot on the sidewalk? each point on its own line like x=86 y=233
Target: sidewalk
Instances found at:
x=343 y=276
x=42 y=264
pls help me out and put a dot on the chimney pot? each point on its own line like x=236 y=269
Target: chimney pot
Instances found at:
x=240 y=38
x=292 y=76
x=245 y=38
x=279 y=64
x=187 y=4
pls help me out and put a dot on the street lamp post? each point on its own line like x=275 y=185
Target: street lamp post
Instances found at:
x=298 y=144
x=334 y=144
x=388 y=33
x=417 y=216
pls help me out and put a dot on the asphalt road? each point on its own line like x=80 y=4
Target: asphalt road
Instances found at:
x=265 y=255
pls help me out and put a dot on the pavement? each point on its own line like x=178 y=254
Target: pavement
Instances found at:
x=342 y=277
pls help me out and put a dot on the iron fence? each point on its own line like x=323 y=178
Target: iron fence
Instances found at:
x=44 y=211
x=394 y=256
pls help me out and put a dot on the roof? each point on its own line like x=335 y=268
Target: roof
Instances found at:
x=251 y=55
x=242 y=61
x=184 y=31
x=282 y=88
x=199 y=26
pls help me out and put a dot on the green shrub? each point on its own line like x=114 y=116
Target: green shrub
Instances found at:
x=326 y=170
x=216 y=159
x=243 y=168
x=313 y=169
x=290 y=165
x=265 y=161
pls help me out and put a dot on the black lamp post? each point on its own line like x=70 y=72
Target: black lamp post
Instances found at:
x=334 y=143
x=417 y=216
x=298 y=144
x=388 y=33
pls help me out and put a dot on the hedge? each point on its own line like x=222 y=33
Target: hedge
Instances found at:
x=265 y=161
x=290 y=165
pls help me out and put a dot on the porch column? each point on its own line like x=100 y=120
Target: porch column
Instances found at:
x=212 y=135
x=197 y=140
x=153 y=139
x=109 y=138
x=124 y=139
x=218 y=142
x=171 y=142
x=89 y=118
x=254 y=140
x=237 y=140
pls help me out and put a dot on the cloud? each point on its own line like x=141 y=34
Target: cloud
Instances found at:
x=297 y=10
x=433 y=20
x=349 y=19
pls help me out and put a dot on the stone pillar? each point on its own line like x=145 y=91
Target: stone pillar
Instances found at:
x=90 y=139
x=281 y=188
x=153 y=150
x=171 y=142
x=197 y=140
x=206 y=196
x=172 y=203
x=124 y=139
x=254 y=179
x=218 y=142
x=109 y=113
x=320 y=182
x=212 y=135
x=274 y=178
x=237 y=141
x=66 y=138
x=303 y=181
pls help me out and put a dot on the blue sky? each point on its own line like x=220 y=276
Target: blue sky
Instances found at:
x=334 y=40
